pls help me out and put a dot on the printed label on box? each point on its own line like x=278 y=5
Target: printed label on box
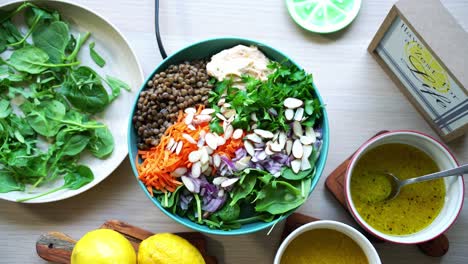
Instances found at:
x=423 y=76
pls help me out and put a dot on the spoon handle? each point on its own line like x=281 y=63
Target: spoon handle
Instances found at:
x=450 y=172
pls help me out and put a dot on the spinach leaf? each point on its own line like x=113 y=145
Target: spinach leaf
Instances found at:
x=95 y=56
x=52 y=38
x=73 y=144
x=116 y=85
x=5 y=108
x=8 y=183
x=101 y=143
x=245 y=187
x=74 y=180
x=229 y=212
x=45 y=118
x=32 y=60
x=280 y=197
x=84 y=90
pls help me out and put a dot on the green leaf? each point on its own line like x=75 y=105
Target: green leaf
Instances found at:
x=101 y=143
x=43 y=118
x=52 y=39
x=116 y=85
x=29 y=59
x=244 y=188
x=84 y=90
x=5 y=108
x=280 y=197
x=95 y=56
x=74 y=145
x=229 y=212
x=8 y=183
x=81 y=176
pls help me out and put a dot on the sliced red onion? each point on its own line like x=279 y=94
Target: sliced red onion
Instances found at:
x=214 y=204
x=228 y=162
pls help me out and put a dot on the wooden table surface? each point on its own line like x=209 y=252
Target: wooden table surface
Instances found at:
x=360 y=98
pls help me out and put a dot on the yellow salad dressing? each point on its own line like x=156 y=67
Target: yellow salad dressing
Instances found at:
x=323 y=246
x=414 y=208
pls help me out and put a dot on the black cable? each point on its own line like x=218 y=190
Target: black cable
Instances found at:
x=156 y=28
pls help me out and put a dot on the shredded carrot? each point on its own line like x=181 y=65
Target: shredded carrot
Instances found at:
x=159 y=162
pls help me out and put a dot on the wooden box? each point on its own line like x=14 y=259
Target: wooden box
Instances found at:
x=425 y=52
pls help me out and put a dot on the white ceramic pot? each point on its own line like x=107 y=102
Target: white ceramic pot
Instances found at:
x=454 y=186
x=355 y=235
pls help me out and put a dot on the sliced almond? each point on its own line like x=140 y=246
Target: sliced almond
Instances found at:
x=220 y=116
x=228 y=132
x=188 y=183
x=282 y=139
x=254 y=126
x=292 y=103
x=211 y=140
x=204 y=167
x=242 y=163
x=204 y=157
x=179 y=147
x=219 y=180
x=221 y=141
x=170 y=144
x=305 y=164
x=299 y=114
x=297 y=150
x=289 y=114
x=191 y=127
x=227 y=105
x=289 y=144
x=307 y=149
x=202 y=119
x=207 y=111
x=231 y=119
x=309 y=131
x=297 y=129
x=174 y=147
x=307 y=140
x=254 y=138
x=229 y=182
x=216 y=160
x=196 y=169
x=221 y=101
x=229 y=113
x=249 y=148
x=221 y=193
x=179 y=172
x=189 y=118
x=209 y=150
x=189 y=138
x=264 y=133
x=190 y=110
x=194 y=156
x=261 y=155
x=276 y=147
x=253 y=116
x=275 y=136
x=268 y=150
x=296 y=165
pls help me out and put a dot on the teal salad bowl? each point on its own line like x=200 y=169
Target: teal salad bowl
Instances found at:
x=204 y=50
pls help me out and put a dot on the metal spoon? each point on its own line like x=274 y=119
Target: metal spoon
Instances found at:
x=397 y=184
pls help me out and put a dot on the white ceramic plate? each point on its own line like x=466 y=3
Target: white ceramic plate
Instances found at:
x=122 y=63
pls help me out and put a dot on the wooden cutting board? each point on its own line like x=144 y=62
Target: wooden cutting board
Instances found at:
x=57 y=247
x=335 y=183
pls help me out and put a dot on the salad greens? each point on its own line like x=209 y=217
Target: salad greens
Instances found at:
x=46 y=103
x=258 y=195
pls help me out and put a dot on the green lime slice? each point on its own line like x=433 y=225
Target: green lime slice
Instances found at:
x=323 y=16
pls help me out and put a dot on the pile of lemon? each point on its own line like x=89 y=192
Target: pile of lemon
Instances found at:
x=105 y=246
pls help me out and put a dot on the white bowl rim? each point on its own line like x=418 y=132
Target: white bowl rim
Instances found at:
x=140 y=70
x=368 y=249
x=355 y=214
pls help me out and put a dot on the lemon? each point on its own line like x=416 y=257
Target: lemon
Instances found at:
x=168 y=248
x=103 y=246
x=323 y=16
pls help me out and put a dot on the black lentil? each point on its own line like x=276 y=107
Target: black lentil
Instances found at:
x=167 y=93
